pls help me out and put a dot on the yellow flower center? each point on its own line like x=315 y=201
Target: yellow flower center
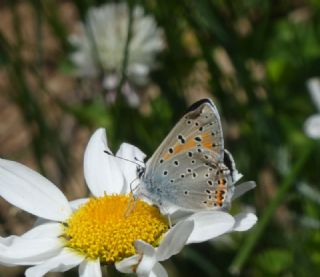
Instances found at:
x=101 y=229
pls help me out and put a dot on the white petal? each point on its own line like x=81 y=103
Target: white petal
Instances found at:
x=313 y=85
x=75 y=204
x=244 y=221
x=148 y=258
x=174 y=240
x=242 y=189
x=236 y=176
x=210 y=224
x=129 y=169
x=28 y=190
x=128 y=265
x=90 y=269
x=101 y=170
x=40 y=221
x=312 y=126
x=179 y=215
x=33 y=247
x=158 y=271
x=64 y=261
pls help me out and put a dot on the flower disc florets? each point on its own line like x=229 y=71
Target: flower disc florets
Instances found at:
x=102 y=229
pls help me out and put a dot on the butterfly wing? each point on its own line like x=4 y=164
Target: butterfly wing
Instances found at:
x=188 y=168
x=200 y=127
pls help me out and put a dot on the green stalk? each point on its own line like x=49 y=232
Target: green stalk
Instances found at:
x=249 y=244
x=126 y=48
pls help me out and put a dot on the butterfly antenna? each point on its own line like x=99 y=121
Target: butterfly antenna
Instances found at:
x=121 y=158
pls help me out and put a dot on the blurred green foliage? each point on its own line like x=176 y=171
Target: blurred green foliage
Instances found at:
x=273 y=48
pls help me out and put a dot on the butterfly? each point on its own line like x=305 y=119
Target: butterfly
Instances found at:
x=191 y=169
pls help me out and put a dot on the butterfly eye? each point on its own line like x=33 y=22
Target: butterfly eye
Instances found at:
x=189 y=170
x=182 y=175
x=199 y=139
x=189 y=122
x=176 y=163
x=190 y=154
x=210 y=183
x=186 y=192
x=165 y=172
x=201 y=129
x=170 y=150
x=194 y=175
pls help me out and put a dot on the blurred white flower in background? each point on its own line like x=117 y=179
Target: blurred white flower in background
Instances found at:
x=312 y=124
x=100 y=48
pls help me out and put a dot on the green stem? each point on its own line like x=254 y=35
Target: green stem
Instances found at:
x=257 y=232
x=126 y=48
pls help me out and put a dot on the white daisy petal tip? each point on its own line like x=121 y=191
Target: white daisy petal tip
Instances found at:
x=101 y=170
x=33 y=247
x=242 y=188
x=131 y=152
x=28 y=190
x=149 y=259
x=133 y=158
x=237 y=176
x=128 y=265
x=209 y=225
x=244 y=221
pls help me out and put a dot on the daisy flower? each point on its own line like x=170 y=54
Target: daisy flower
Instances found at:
x=312 y=124
x=101 y=42
x=96 y=231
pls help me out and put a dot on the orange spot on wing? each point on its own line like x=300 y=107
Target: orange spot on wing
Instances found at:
x=207 y=140
x=221 y=191
x=189 y=144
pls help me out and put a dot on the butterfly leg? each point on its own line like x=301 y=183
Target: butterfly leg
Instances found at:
x=131 y=205
x=169 y=221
